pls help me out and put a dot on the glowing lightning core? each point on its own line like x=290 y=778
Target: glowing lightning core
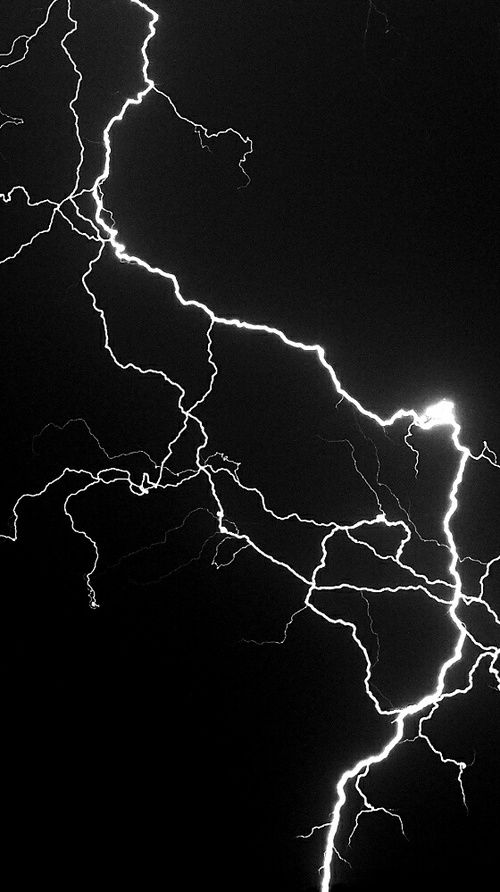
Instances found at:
x=103 y=231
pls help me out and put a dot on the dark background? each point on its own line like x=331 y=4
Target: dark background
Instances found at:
x=147 y=743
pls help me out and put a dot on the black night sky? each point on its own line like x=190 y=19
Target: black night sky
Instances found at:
x=150 y=742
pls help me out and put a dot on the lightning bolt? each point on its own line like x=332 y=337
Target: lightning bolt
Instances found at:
x=100 y=229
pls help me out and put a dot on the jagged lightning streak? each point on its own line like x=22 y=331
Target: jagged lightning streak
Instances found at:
x=103 y=230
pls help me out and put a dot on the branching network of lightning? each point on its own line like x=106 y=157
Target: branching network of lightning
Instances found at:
x=100 y=229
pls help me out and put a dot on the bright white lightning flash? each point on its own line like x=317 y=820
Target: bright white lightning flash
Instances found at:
x=101 y=229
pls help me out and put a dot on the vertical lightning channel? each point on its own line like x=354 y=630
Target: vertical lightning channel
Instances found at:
x=441 y=414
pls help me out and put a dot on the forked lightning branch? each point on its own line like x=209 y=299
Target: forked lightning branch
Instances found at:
x=100 y=229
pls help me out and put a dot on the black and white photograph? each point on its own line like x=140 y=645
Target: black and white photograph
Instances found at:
x=250 y=443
